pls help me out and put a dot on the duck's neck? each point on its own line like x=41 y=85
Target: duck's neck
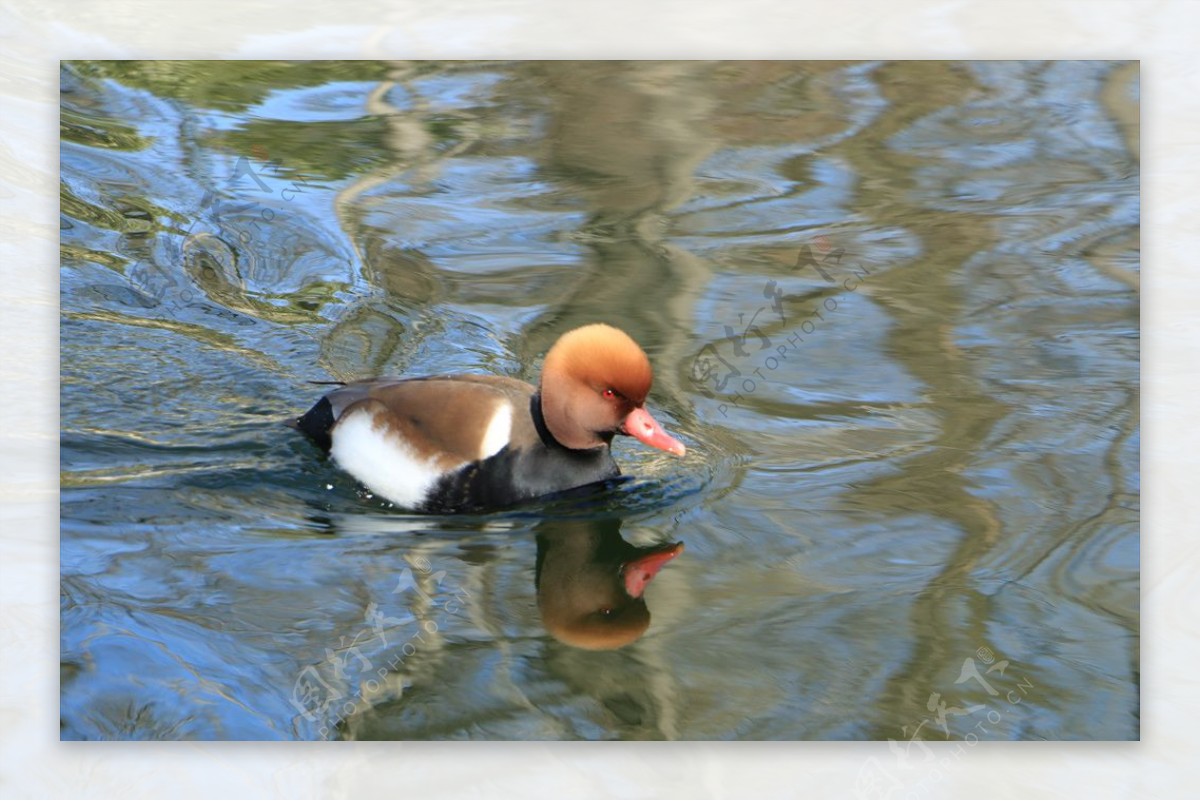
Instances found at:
x=548 y=438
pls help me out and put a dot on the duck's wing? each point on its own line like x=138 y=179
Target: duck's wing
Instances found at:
x=444 y=420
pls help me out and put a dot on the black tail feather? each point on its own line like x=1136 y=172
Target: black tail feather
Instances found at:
x=316 y=423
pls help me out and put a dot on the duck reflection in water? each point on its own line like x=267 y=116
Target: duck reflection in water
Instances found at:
x=591 y=582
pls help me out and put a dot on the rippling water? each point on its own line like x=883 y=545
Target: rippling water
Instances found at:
x=892 y=310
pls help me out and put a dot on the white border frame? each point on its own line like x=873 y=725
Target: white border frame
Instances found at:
x=36 y=35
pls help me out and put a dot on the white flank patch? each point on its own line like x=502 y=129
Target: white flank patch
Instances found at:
x=383 y=463
x=498 y=431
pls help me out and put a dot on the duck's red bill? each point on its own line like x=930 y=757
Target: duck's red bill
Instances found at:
x=640 y=425
x=638 y=572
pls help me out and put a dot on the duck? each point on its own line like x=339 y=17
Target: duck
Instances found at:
x=471 y=443
x=591 y=582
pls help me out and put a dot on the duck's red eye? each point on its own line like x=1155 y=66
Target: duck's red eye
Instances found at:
x=608 y=393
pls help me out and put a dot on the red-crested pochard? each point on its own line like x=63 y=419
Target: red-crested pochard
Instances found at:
x=454 y=443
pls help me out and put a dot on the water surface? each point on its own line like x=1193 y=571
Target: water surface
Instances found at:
x=892 y=310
